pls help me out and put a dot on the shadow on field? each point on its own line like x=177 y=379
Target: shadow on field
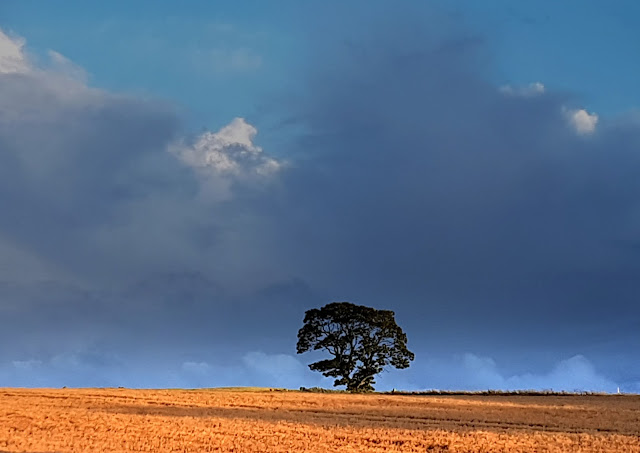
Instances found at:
x=327 y=418
x=251 y=413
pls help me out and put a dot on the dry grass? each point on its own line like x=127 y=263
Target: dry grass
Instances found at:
x=100 y=420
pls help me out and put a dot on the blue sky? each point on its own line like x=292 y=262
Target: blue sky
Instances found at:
x=180 y=183
x=575 y=46
x=185 y=53
x=215 y=60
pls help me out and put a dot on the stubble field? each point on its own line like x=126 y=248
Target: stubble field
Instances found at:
x=113 y=420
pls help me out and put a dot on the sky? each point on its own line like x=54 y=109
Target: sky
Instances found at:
x=179 y=183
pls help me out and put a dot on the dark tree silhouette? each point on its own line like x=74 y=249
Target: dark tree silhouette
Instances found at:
x=362 y=341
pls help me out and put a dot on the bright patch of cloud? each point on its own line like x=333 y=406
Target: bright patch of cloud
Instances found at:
x=475 y=372
x=230 y=152
x=14 y=60
x=58 y=76
x=533 y=89
x=583 y=121
x=573 y=374
x=12 y=56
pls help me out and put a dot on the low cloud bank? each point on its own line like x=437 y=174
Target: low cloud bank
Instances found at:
x=472 y=372
x=91 y=369
x=462 y=372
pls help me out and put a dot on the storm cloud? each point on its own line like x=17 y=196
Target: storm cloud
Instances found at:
x=496 y=222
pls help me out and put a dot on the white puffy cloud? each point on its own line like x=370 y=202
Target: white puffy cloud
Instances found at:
x=228 y=155
x=12 y=56
x=230 y=151
x=583 y=121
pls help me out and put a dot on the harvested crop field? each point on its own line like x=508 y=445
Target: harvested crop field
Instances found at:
x=112 y=420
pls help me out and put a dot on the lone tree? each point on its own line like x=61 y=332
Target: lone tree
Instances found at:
x=362 y=341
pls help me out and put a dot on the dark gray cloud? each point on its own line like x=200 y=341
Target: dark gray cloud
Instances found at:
x=427 y=187
x=74 y=161
x=502 y=234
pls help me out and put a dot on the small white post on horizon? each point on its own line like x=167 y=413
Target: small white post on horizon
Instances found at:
x=618 y=390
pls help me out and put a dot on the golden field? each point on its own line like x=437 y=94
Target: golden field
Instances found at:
x=115 y=420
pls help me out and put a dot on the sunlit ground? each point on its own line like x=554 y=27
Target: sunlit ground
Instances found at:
x=254 y=420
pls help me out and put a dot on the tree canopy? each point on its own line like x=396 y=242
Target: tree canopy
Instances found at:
x=362 y=341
